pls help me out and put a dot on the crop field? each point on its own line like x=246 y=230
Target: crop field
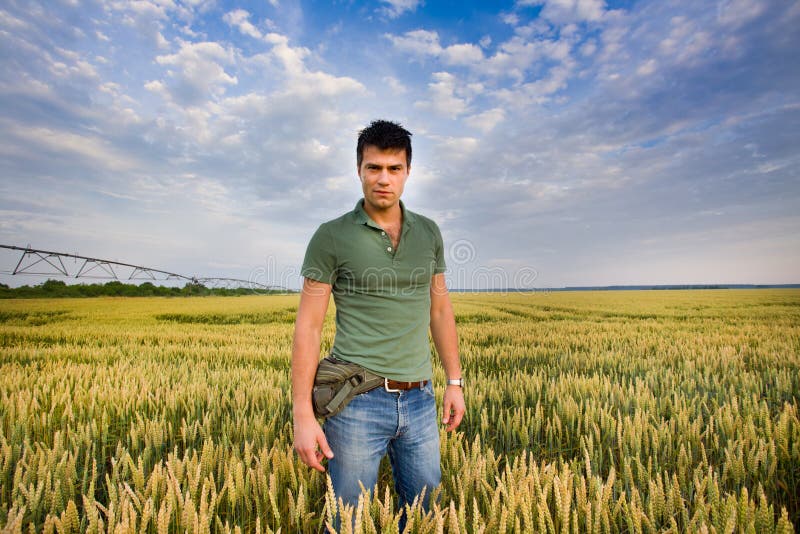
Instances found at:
x=630 y=411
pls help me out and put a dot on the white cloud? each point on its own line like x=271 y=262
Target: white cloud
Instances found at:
x=735 y=13
x=78 y=69
x=395 y=86
x=198 y=71
x=239 y=19
x=538 y=92
x=424 y=43
x=147 y=8
x=446 y=98
x=517 y=56
x=647 y=68
x=339 y=183
x=568 y=11
x=214 y=198
x=324 y=84
x=395 y=8
x=92 y=150
x=685 y=42
x=486 y=120
x=513 y=59
x=510 y=18
x=292 y=58
x=462 y=54
x=112 y=88
x=157 y=87
x=161 y=41
x=148 y=17
x=588 y=48
x=455 y=148
x=7 y=20
x=301 y=80
x=417 y=42
x=247 y=122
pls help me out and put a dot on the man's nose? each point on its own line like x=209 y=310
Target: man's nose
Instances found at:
x=383 y=177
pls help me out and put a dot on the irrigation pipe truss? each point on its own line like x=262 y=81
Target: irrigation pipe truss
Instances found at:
x=105 y=269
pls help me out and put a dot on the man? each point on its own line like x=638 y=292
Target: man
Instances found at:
x=385 y=267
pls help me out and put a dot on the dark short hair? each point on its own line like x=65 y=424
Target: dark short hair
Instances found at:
x=385 y=135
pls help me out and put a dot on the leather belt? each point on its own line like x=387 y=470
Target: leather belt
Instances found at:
x=395 y=385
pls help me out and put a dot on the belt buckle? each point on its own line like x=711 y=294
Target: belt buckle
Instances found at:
x=387 y=388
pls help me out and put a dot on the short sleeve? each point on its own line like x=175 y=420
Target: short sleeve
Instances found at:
x=439 y=251
x=320 y=261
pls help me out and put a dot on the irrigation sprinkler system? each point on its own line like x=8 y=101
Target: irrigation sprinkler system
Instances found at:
x=48 y=263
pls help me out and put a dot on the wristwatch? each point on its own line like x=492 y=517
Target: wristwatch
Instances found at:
x=455 y=382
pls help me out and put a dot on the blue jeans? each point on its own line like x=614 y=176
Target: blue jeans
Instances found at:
x=405 y=424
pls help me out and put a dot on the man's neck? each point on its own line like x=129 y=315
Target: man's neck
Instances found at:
x=387 y=217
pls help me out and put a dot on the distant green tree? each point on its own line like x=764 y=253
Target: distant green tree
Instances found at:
x=53 y=286
x=57 y=288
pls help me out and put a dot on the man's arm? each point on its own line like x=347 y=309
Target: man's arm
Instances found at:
x=309 y=440
x=443 y=331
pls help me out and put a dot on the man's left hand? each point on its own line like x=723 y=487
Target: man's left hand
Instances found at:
x=454 y=407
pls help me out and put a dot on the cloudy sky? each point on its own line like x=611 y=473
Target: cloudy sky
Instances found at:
x=556 y=142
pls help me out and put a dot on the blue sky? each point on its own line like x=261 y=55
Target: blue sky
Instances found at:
x=556 y=142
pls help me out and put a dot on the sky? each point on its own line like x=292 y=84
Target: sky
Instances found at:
x=555 y=142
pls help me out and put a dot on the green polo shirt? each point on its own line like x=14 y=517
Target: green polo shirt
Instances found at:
x=382 y=295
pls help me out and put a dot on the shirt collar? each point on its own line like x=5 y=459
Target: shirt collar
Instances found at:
x=361 y=216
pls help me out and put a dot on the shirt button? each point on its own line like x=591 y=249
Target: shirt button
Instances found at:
x=383 y=233
x=389 y=249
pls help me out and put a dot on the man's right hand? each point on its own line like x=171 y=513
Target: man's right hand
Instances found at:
x=310 y=442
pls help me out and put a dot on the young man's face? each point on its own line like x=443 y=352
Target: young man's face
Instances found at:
x=383 y=175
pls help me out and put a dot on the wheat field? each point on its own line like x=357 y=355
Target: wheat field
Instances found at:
x=628 y=411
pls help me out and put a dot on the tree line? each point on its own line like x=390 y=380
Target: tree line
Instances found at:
x=57 y=288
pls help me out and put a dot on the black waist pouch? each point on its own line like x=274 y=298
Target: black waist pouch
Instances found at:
x=337 y=382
